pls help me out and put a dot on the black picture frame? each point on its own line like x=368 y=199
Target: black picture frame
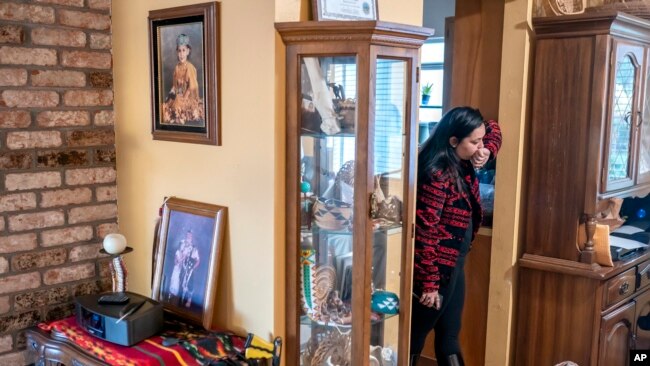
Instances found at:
x=185 y=92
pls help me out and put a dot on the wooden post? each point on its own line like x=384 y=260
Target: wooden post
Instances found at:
x=588 y=255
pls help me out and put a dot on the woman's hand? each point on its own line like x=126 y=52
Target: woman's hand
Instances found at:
x=480 y=157
x=431 y=299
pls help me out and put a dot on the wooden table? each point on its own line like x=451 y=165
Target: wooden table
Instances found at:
x=63 y=342
x=51 y=349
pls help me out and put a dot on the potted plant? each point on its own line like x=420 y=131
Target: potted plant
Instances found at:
x=426 y=93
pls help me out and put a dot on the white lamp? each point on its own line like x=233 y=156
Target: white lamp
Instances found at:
x=114 y=243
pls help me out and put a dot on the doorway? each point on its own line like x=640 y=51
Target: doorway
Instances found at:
x=463 y=61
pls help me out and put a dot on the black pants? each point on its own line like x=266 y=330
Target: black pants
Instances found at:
x=445 y=322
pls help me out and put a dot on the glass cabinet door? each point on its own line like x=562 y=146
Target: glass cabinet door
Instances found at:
x=327 y=169
x=623 y=117
x=388 y=150
x=328 y=87
x=644 y=132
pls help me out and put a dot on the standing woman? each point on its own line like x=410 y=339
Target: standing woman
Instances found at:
x=448 y=215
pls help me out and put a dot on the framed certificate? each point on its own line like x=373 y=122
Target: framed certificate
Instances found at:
x=345 y=10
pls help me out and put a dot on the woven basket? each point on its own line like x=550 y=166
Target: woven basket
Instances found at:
x=333 y=215
x=566 y=7
x=639 y=8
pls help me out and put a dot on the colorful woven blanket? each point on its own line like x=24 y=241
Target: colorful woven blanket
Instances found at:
x=194 y=346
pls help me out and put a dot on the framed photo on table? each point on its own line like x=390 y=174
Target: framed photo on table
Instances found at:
x=184 y=63
x=187 y=257
x=345 y=10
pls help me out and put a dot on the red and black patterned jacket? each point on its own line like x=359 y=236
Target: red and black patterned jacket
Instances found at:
x=442 y=217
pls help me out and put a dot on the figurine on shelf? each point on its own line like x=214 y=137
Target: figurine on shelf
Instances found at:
x=321 y=98
x=115 y=245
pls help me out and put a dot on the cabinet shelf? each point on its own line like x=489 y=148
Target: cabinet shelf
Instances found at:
x=322 y=135
x=305 y=320
x=393 y=228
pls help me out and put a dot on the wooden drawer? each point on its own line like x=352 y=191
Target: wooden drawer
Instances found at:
x=643 y=275
x=620 y=287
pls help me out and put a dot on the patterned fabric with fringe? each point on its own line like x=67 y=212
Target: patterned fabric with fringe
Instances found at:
x=194 y=346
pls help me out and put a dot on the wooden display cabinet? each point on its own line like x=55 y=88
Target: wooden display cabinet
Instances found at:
x=352 y=98
x=588 y=140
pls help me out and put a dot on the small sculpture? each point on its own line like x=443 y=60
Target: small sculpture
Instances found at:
x=115 y=245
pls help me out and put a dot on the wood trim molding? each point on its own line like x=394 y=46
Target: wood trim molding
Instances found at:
x=606 y=22
x=376 y=32
x=565 y=266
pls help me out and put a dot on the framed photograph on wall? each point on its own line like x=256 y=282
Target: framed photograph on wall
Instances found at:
x=187 y=256
x=345 y=10
x=184 y=60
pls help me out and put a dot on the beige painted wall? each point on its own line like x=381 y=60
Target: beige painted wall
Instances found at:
x=401 y=11
x=241 y=174
x=246 y=173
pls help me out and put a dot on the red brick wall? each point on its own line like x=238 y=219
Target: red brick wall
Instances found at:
x=58 y=194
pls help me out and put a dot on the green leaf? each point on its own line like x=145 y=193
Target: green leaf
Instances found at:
x=426 y=89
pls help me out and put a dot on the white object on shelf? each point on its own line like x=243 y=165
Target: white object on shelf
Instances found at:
x=114 y=243
x=322 y=99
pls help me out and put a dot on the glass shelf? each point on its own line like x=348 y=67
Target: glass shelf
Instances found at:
x=316 y=230
x=322 y=135
x=304 y=320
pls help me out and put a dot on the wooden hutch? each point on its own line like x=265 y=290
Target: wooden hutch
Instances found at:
x=588 y=140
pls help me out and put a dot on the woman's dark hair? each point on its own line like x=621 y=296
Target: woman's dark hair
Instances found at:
x=436 y=153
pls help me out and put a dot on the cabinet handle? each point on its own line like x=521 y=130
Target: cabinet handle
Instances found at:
x=639 y=120
x=627 y=118
x=625 y=287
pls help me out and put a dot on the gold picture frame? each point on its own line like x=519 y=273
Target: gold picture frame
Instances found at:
x=187 y=259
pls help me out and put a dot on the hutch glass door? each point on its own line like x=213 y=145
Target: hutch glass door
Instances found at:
x=644 y=132
x=623 y=114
